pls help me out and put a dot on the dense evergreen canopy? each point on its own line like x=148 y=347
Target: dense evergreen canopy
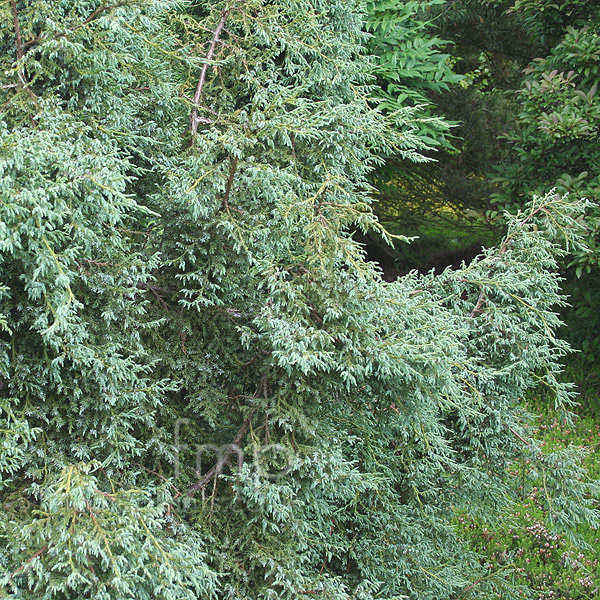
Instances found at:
x=205 y=390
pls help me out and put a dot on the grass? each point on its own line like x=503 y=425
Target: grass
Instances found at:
x=543 y=560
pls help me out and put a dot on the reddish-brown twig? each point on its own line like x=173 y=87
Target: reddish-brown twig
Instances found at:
x=194 y=118
x=232 y=171
x=38 y=553
x=18 y=40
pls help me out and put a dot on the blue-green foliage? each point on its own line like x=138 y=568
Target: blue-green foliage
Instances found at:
x=205 y=390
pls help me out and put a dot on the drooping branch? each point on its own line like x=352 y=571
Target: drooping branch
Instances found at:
x=503 y=248
x=194 y=118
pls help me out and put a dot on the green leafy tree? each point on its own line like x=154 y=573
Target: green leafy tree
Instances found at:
x=205 y=389
x=411 y=66
x=412 y=71
x=555 y=142
x=527 y=108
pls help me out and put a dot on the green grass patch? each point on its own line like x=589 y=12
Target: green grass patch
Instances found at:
x=544 y=560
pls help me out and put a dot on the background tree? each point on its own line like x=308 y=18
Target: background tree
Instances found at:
x=555 y=142
x=444 y=200
x=536 y=63
x=411 y=68
x=524 y=110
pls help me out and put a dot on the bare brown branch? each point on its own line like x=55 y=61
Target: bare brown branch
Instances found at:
x=156 y=291
x=38 y=553
x=520 y=437
x=477 y=309
x=102 y=9
x=18 y=39
x=17 y=26
x=194 y=118
x=232 y=171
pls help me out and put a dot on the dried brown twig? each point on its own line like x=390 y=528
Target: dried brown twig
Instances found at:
x=18 y=40
x=194 y=117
